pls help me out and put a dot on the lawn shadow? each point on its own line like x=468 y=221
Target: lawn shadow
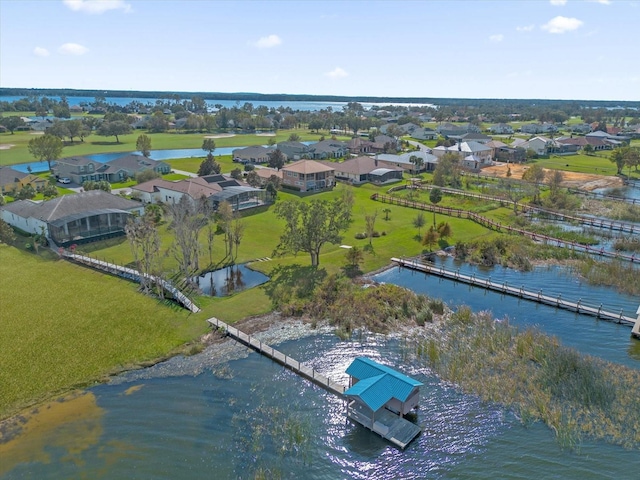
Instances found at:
x=293 y=281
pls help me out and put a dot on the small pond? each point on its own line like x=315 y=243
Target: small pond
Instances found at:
x=228 y=280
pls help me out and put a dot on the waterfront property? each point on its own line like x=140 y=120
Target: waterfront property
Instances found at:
x=82 y=169
x=365 y=169
x=81 y=218
x=308 y=175
x=378 y=397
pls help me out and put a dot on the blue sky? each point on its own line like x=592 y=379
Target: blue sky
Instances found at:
x=567 y=49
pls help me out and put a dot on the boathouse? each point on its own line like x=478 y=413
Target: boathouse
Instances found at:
x=378 y=397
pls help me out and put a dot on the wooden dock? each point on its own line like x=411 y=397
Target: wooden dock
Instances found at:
x=497 y=226
x=589 y=221
x=133 y=275
x=555 y=301
x=389 y=426
x=291 y=363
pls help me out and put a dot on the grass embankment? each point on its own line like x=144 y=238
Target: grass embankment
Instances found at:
x=65 y=326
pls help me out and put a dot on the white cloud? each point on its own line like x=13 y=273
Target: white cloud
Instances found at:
x=601 y=2
x=95 y=7
x=526 y=28
x=558 y=3
x=72 y=49
x=337 y=73
x=496 y=38
x=41 y=52
x=269 y=41
x=562 y=24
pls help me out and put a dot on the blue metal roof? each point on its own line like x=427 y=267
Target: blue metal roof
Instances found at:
x=377 y=384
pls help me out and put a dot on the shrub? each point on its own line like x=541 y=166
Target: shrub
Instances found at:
x=360 y=236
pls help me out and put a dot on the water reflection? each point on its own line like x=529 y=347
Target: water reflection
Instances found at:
x=229 y=280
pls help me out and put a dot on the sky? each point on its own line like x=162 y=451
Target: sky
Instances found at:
x=551 y=49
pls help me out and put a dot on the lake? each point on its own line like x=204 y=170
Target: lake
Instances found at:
x=231 y=413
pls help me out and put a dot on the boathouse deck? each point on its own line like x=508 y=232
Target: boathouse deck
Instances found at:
x=388 y=425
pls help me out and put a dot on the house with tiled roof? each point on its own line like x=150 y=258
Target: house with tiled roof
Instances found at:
x=82 y=169
x=327 y=149
x=481 y=153
x=78 y=218
x=364 y=169
x=308 y=175
x=256 y=154
x=403 y=160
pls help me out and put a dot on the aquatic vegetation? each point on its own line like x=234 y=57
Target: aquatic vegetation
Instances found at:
x=575 y=395
x=622 y=276
x=627 y=244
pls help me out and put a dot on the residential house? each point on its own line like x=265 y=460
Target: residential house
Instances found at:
x=540 y=145
x=449 y=129
x=475 y=137
x=581 y=128
x=531 y=128
x=308 y=175
x=293 y=150
x=254 y=155
x=214 y=188
x=501 y=129
x=82 y=169
x=424 y=134
x=328 y=149
x=12 y=181
x=481 y=154
x=266 y=173
x=365 y=169
x=403 y=161
x=73 y=219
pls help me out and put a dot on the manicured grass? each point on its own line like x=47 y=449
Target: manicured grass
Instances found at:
x=19 y=153
x=64 y=325
x=598 y=164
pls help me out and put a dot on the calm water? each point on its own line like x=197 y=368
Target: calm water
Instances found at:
x=219 y=414
x=228 y=280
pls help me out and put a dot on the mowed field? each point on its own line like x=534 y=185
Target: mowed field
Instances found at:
x=64 y=326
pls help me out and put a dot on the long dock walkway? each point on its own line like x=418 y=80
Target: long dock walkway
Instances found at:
x=285 y=360
x=556 y=301
x=497 y=226
x=134 y=275
x=590 y=221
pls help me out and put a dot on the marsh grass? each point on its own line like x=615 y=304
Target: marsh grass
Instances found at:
x=614 y=273
x=575 y=395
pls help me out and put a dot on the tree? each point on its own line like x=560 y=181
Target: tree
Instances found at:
x=444 y=230
x=294 y=137
x=618 y=157
x=209 y=166
x=276 y=159
x=7 y=235
x=418 y=162
x=143 y=145
x=188 y=218
x=435 y=196
x=419 y=222
x=236 y=174
x=253 y=179
x=354 y=257
x=386 y=212
x=144 y=241
x=535 y=176
x=59 y=129
x=26 y=192
x=447 y=170
x=114 y=129
x=309 y=225
x=370 y=224
x=430 y=237
x=146 y=175
x=237 y=232
x=45 y=147
x=554 y=178
x=225 y=219
x=50 y=191
x=209 y=145
x=514 y=191
x=158 y=123
x=588 y=149
x=12 y=123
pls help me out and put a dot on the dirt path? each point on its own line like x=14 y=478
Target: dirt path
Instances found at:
x=586 y=181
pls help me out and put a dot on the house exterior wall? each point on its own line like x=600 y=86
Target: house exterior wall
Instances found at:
x=28 y=225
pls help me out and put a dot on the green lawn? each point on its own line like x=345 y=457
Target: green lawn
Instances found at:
x=18 y=152
x=598 y=164
x=64 y=325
